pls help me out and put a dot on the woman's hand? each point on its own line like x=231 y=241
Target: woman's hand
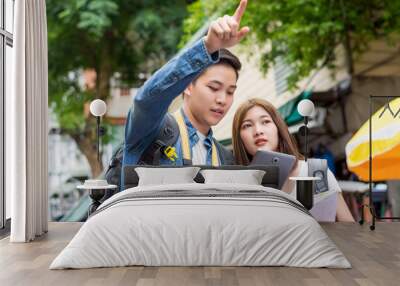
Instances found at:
x=225 y=32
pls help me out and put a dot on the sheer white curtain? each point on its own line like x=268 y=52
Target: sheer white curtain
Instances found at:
x=26 y=123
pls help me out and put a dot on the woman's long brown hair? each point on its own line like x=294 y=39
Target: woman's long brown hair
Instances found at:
x=286 y=142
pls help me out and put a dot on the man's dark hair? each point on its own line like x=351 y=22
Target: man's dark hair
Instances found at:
x=227 y=58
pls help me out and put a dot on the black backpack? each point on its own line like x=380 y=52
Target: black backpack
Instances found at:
x=167 y=136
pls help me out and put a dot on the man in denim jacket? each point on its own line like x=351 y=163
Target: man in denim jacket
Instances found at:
x=206 y=75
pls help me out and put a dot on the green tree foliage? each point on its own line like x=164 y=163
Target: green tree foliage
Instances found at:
x=117 y=39
x=305 y=32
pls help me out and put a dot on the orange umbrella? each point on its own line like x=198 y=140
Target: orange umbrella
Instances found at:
x=385 y=145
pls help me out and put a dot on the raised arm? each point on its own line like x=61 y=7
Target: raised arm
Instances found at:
x=153 y=99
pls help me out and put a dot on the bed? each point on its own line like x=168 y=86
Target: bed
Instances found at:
x=201 y=224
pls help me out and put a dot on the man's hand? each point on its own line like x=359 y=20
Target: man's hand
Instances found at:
x=224 y=32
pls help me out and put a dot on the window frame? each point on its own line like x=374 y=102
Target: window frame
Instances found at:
x=6 y=39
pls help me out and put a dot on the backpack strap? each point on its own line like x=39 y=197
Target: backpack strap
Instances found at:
x=187 y=160
x=167 y=136
x=319 y=168
x=214 y=155
x=187 y=157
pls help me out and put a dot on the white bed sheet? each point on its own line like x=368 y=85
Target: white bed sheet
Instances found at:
x=189 y=231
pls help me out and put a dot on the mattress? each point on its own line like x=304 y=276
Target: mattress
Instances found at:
x=201 y=225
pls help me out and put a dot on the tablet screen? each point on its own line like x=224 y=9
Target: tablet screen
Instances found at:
x=285 y=163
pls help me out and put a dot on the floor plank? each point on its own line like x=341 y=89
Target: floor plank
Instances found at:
x=374 y=255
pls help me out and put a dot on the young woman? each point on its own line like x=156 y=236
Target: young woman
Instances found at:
x=257 y=125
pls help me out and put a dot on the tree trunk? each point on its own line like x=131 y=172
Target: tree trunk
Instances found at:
x=87 y=145
x=104 y=74
x=87 y=141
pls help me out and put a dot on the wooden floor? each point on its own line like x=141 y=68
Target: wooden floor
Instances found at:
x=374 y=255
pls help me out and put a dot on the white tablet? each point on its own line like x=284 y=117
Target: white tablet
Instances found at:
x=285 y=163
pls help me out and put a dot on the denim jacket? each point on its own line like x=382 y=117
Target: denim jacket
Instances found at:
x=147 y=115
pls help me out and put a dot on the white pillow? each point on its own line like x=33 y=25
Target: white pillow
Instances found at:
x=248 y=177
x=166 y=176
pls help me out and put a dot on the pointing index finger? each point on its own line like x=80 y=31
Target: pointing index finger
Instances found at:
x=240 y=10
